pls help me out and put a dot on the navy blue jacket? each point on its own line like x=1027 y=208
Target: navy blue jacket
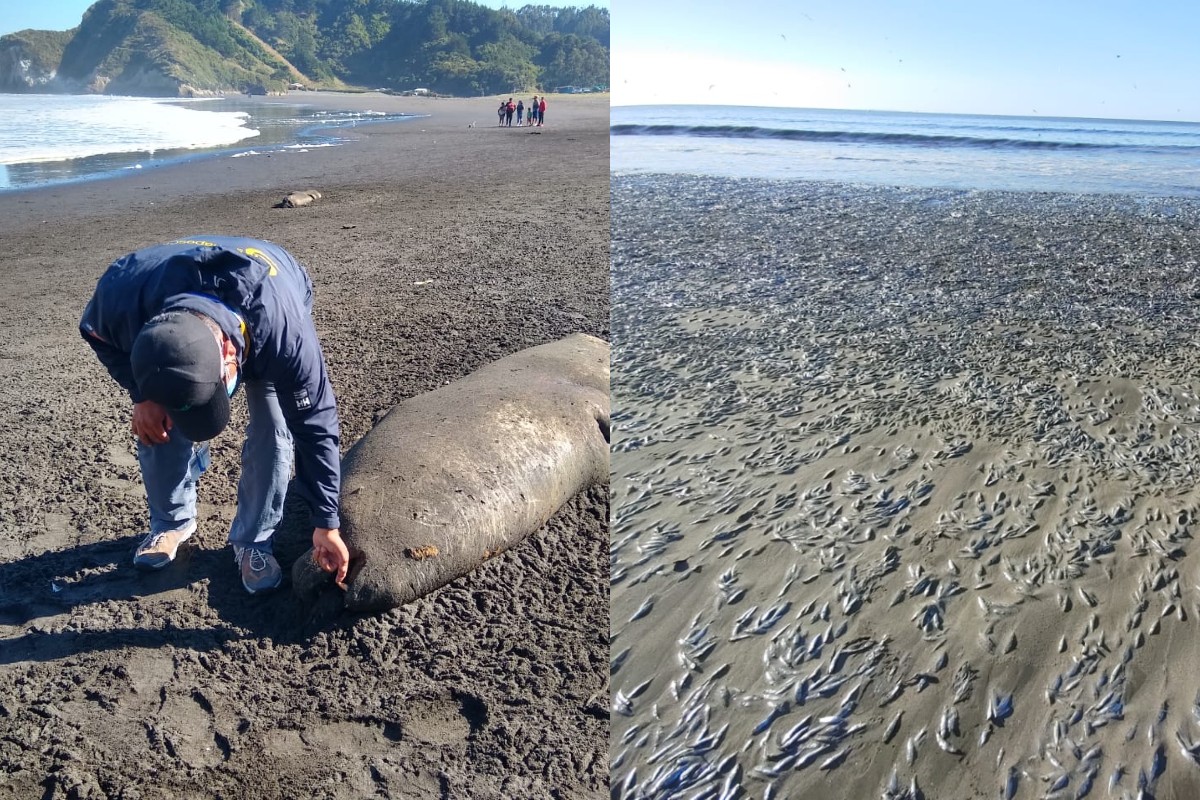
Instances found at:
x=233 y=281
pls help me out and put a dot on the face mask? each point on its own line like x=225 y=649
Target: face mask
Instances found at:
x=231 y=381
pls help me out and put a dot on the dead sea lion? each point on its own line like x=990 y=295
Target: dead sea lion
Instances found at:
x=298 y=199
x=452 y=477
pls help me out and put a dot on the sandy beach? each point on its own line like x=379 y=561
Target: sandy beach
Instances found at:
x=436 y=248
x=904 y=491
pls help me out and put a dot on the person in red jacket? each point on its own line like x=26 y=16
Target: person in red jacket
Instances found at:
x=542 y=111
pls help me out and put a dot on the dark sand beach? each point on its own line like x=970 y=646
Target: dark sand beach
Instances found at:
x=437 y=248
x=904 y=492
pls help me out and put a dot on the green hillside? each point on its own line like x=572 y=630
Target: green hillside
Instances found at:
x=45 y=47
x=170 y=47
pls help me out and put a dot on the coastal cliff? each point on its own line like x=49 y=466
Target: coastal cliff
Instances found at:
x=29 y=60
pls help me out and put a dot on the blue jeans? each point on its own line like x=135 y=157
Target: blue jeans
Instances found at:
x=171 y=470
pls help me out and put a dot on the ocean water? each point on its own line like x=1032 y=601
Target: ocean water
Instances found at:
x=1133 y=157
x=47 y=139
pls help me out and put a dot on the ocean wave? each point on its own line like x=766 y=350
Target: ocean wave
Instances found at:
x=867 y=137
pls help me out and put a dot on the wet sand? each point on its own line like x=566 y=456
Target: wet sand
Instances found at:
x=436 y=248
x=904 y=490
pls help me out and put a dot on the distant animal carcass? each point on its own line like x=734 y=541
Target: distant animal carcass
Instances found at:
x=298 y=199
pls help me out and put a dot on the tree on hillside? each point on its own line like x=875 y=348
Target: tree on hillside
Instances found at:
x=350 y=28
x=506 y=66
x=572 y=61
x=591 y=22
x=292 y=27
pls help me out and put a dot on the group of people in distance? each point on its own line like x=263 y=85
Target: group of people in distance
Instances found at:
x=536 y=112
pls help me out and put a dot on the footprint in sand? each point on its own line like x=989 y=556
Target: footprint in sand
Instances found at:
x=185 y=729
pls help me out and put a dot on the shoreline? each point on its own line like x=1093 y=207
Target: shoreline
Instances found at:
x=937 y=194
x=425 y=268
x=943 y=151
x=381 y=145
x=351 y=102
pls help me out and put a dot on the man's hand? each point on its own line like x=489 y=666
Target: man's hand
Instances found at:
x=331 y=554
x=150 y=422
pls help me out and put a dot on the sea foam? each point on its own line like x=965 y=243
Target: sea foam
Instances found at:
x=38 y=128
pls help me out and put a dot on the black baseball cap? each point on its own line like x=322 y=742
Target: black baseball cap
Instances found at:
x=177 y=363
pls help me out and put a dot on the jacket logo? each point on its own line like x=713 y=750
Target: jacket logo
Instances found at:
x=254 y=252
x=302 y=399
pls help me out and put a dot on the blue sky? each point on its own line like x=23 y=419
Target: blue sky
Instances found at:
x=60 y=15
x=1044 y=57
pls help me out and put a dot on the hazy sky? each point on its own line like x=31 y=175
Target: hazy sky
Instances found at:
x=60 y=15
x=1049 y=57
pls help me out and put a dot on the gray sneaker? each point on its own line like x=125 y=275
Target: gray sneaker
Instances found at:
x=260 y=571
x=158 y=549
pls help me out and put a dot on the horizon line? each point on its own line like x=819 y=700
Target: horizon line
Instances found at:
x=1034 y=115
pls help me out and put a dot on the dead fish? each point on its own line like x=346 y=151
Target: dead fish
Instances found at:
x=645 y=608
x=812 y=754
x=775 y=713
x=913 y=745
x=893 y=727
x=1010 y=784
x=1000 y=708
x=946 y=745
